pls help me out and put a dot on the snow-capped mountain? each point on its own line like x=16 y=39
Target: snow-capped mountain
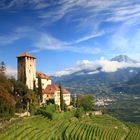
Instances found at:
x=105 y=76
x=123 y=58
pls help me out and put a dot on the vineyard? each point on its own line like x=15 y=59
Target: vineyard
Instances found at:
x=95 y=128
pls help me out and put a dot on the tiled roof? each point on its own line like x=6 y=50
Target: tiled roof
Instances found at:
x=42 y=75
x=50 y=89
x=25 y=54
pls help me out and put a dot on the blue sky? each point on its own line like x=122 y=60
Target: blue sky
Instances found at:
x=61 y=33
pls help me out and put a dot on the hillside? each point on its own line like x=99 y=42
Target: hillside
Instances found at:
x=99 y=128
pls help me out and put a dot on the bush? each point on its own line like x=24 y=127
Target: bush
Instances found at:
x=33 y=109
x=50 y=108
x=44 y=113
x=78 y=112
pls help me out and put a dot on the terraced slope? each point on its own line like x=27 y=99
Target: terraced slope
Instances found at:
x=95 y=128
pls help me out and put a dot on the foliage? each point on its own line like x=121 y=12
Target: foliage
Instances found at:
x=78 y=112
x=20 y=89
x=50 y=108
x=34 y=87
x=40 y=88
x=44 y=113
x=85 y=101
x=62 y=103
x=50 y=101
x=32 y=109
x=7 y=102
x=2 y=68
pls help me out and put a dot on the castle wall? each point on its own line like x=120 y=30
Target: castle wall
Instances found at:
x=66 y=98
x=44 y=82
x=30 y=71
x=27 y=70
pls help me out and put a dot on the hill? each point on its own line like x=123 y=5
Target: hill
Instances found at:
x=99 y=128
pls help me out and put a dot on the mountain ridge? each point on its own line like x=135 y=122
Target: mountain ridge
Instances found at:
x=123 y=58
x=99 y=82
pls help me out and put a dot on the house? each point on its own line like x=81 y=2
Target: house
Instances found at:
x=52 y=91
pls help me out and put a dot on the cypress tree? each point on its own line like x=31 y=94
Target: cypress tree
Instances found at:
x=40 y=88
x=24 y=77
x=61 y=98
x=34 y=86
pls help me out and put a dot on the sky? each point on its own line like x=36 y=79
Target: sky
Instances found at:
x=62 y=33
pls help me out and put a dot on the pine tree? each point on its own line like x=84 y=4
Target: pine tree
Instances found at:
x=2 y=68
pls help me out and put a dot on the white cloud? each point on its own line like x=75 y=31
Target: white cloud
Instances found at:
x=14 y=35
x=104 y=65
x=8 y=39
x=48 y=42
x=10 y=71
x=88 y=37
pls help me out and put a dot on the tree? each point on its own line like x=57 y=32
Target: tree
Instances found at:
x=78 y=112
x=7 y=102
x=40 y=88
x=86 y=102
x=20 y=93
x=34 y=86
x=62 y=105
x=2 y=68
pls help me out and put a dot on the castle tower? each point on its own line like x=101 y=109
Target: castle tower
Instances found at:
x=26 y=69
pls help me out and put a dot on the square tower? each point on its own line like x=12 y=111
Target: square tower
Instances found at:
x=26 y=69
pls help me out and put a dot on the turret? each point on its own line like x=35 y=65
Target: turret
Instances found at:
x=26 y=69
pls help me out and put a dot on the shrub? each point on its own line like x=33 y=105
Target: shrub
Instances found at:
x=44 y=113
x=78 y=112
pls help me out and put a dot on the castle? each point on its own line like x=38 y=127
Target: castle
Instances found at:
x=27 y=73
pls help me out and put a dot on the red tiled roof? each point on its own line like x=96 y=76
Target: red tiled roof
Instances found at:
x=42 y=75
x=50 y=89
x=25 y=54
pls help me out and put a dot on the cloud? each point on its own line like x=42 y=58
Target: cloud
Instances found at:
x=8 y=39
x=10 y=71
x=48 y=42
x=91 y=19
x=14 y=35
x=34 y=4
x=93 y=66
x=88 y=37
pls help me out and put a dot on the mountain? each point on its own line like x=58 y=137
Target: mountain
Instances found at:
x=123 y=58
x=125 y=79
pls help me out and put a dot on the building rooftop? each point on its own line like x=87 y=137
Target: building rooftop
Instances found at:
x=50 y=89
x=25 y=54
x=42 y=75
